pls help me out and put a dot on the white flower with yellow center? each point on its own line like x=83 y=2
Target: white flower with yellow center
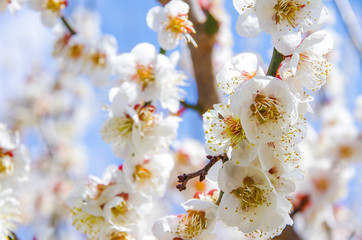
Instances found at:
x=224 y=131
x=248 y=197
x=153 y=74
x=71 y=52
x=150 y=175
x=99 y=60
x=50 y=10
x=197 y=223
x=172 y=23
x=285 y=20
x=114 y=234
x=239 y=69
x=95 y=203
x=281 y=161
x=14 y=158
x=135 y=131
x=308 y=65
x=266 y=107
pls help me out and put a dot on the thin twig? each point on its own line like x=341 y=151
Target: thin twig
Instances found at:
x=66 y=23
x=184 y=178
x=196 y=107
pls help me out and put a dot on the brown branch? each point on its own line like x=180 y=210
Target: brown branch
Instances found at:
x=184 y=178
x=202 y=60
x=288 y=234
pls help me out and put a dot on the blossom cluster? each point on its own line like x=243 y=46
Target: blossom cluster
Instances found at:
x=14 y=167
x=256 y=137
x=148 y=87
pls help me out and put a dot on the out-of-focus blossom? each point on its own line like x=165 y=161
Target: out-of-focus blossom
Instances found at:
x=172 y=23
x=152 y=75
x=50 y=10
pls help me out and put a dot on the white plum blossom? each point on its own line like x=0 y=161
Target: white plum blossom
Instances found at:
x=198 y=223
x=151 y=174
x=266 y=106
x=153 y=75
x=99 y=60
x=285 y=20
x=136 y=130
x=249 y=197
x=9 y=212
x=14 y=158
x=224 y=131
x=97 y=203
x=50 y=10
x=172 y=23
x=12 y=5
x=71 y=52
x=239 y=69
x=308 y=65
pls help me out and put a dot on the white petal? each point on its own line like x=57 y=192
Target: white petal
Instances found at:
x=155 y=17
x=248 y=24
x=286 y=43
x=167 y=40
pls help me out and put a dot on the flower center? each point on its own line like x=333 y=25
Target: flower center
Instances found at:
x=179 y=24
x=287 y=10
x=99 y=59
x=56 y=5
x=192 y=224
x=141 y=174
x=345 y=151
x=6 y=163
x=120 y=209
x=146 y=115
x=321 y=184
x=182 y=158
x=75 y=51
x=234 y=130
x=144 y=75
x=123 y=125
x=120 y=236
x=250 y=194
x=266 y=109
